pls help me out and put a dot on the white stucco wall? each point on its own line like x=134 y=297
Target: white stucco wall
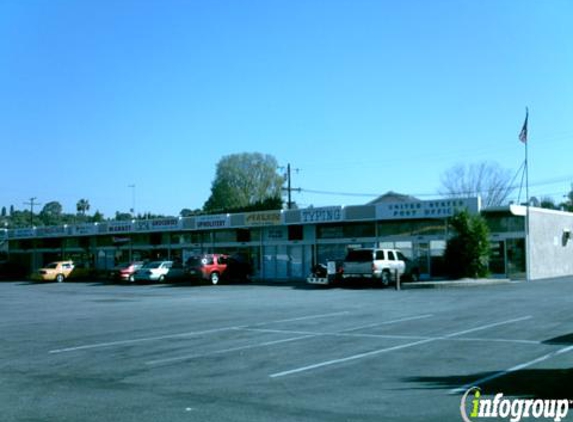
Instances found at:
x=551 y=253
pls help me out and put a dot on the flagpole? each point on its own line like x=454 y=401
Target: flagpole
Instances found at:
x=527 y=234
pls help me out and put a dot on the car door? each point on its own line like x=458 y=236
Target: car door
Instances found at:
x=395 y=263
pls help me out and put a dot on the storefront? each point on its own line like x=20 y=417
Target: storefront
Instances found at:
x=283 y=245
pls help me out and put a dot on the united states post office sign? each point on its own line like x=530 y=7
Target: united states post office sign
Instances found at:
x=439 y=208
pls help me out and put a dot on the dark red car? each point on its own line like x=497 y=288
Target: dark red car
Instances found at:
x=125 y=271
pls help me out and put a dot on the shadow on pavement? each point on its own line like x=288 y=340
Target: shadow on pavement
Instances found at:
x=527 y=383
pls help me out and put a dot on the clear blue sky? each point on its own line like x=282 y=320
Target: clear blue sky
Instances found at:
x=361 y=96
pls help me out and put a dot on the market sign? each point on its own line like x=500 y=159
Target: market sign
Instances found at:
x=321 y=215
x=440 y=208
x=119 y=227
x=266 y=218
x=212 y=221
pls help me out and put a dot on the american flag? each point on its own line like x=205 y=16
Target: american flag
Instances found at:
x=523 y=133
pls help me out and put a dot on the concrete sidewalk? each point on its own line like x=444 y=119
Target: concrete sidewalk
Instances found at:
x=466 y=282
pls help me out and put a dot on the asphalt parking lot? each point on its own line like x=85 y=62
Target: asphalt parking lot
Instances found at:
x=102 y=352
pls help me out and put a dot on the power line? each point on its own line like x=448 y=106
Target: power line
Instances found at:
x=363 y=194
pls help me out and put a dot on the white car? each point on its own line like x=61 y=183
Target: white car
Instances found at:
x=153 y=271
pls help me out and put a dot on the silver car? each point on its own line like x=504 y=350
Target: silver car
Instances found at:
x=153 y=271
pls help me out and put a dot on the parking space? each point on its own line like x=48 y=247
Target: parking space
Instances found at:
x=93 y=352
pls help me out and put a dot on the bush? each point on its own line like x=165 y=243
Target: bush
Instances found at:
x=467 y=252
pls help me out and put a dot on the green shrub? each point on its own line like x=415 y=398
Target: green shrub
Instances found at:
x=467 y=251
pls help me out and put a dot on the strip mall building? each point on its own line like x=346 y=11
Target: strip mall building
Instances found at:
x=283 y=245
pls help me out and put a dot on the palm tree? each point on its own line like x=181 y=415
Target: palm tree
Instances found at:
x=83 y=206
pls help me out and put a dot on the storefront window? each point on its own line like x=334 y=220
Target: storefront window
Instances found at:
x=360 y=230
x=504 y=223
x=225 y=236
x=330 y=231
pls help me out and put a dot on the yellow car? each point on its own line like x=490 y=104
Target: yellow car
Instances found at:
x=58 y=271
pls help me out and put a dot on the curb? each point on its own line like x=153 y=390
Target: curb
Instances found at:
x=455 y=283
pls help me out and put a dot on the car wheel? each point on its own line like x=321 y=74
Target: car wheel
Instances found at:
x=385 y=279
x=131 y=278
x=161 y=278
x=60 y=278
x=214 y=278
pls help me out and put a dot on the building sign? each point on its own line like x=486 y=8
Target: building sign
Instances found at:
x=141 y=225
x=164 y=224
x=321 y=215
x=212 y=221
x=278 y=233
x=119 y=227
x=158 y=224
x=441 y=208
x=50 y=231
x=266 y=218
x=21 y=233
x=82 y=229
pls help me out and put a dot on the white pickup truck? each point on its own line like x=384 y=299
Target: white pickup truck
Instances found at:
x=383 y=265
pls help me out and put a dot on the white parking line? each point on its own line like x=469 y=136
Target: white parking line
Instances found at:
x=391 y=349
x=188 y=334
x=300 y=336
x=349 y=358
x=413 y=318
x=515 y=368
x=140 y=340
x=232 y=349
x=304 y=318
x=485 y=327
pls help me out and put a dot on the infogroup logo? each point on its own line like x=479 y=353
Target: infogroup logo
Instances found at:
x=513 y=409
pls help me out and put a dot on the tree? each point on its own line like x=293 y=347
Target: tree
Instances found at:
x=243 y=180
x=83 y=206
x=486 y=179
x=567 y=205
x=51 y=214
x=187 y=212
x=467 y=252
x=548 y=203
x=123 y=216
x=97 y=217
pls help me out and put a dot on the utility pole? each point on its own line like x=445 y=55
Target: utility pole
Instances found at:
x=32 y=202
x=132 y=199
x=289 y=189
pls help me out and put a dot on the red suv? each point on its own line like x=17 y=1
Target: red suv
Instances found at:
x=207 y=267
x=217 y=267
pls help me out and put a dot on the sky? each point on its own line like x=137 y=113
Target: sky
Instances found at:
x=361 y=97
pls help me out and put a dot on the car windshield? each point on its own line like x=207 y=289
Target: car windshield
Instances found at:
x=52 y=265
x=154 y=264
x=359 y=255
